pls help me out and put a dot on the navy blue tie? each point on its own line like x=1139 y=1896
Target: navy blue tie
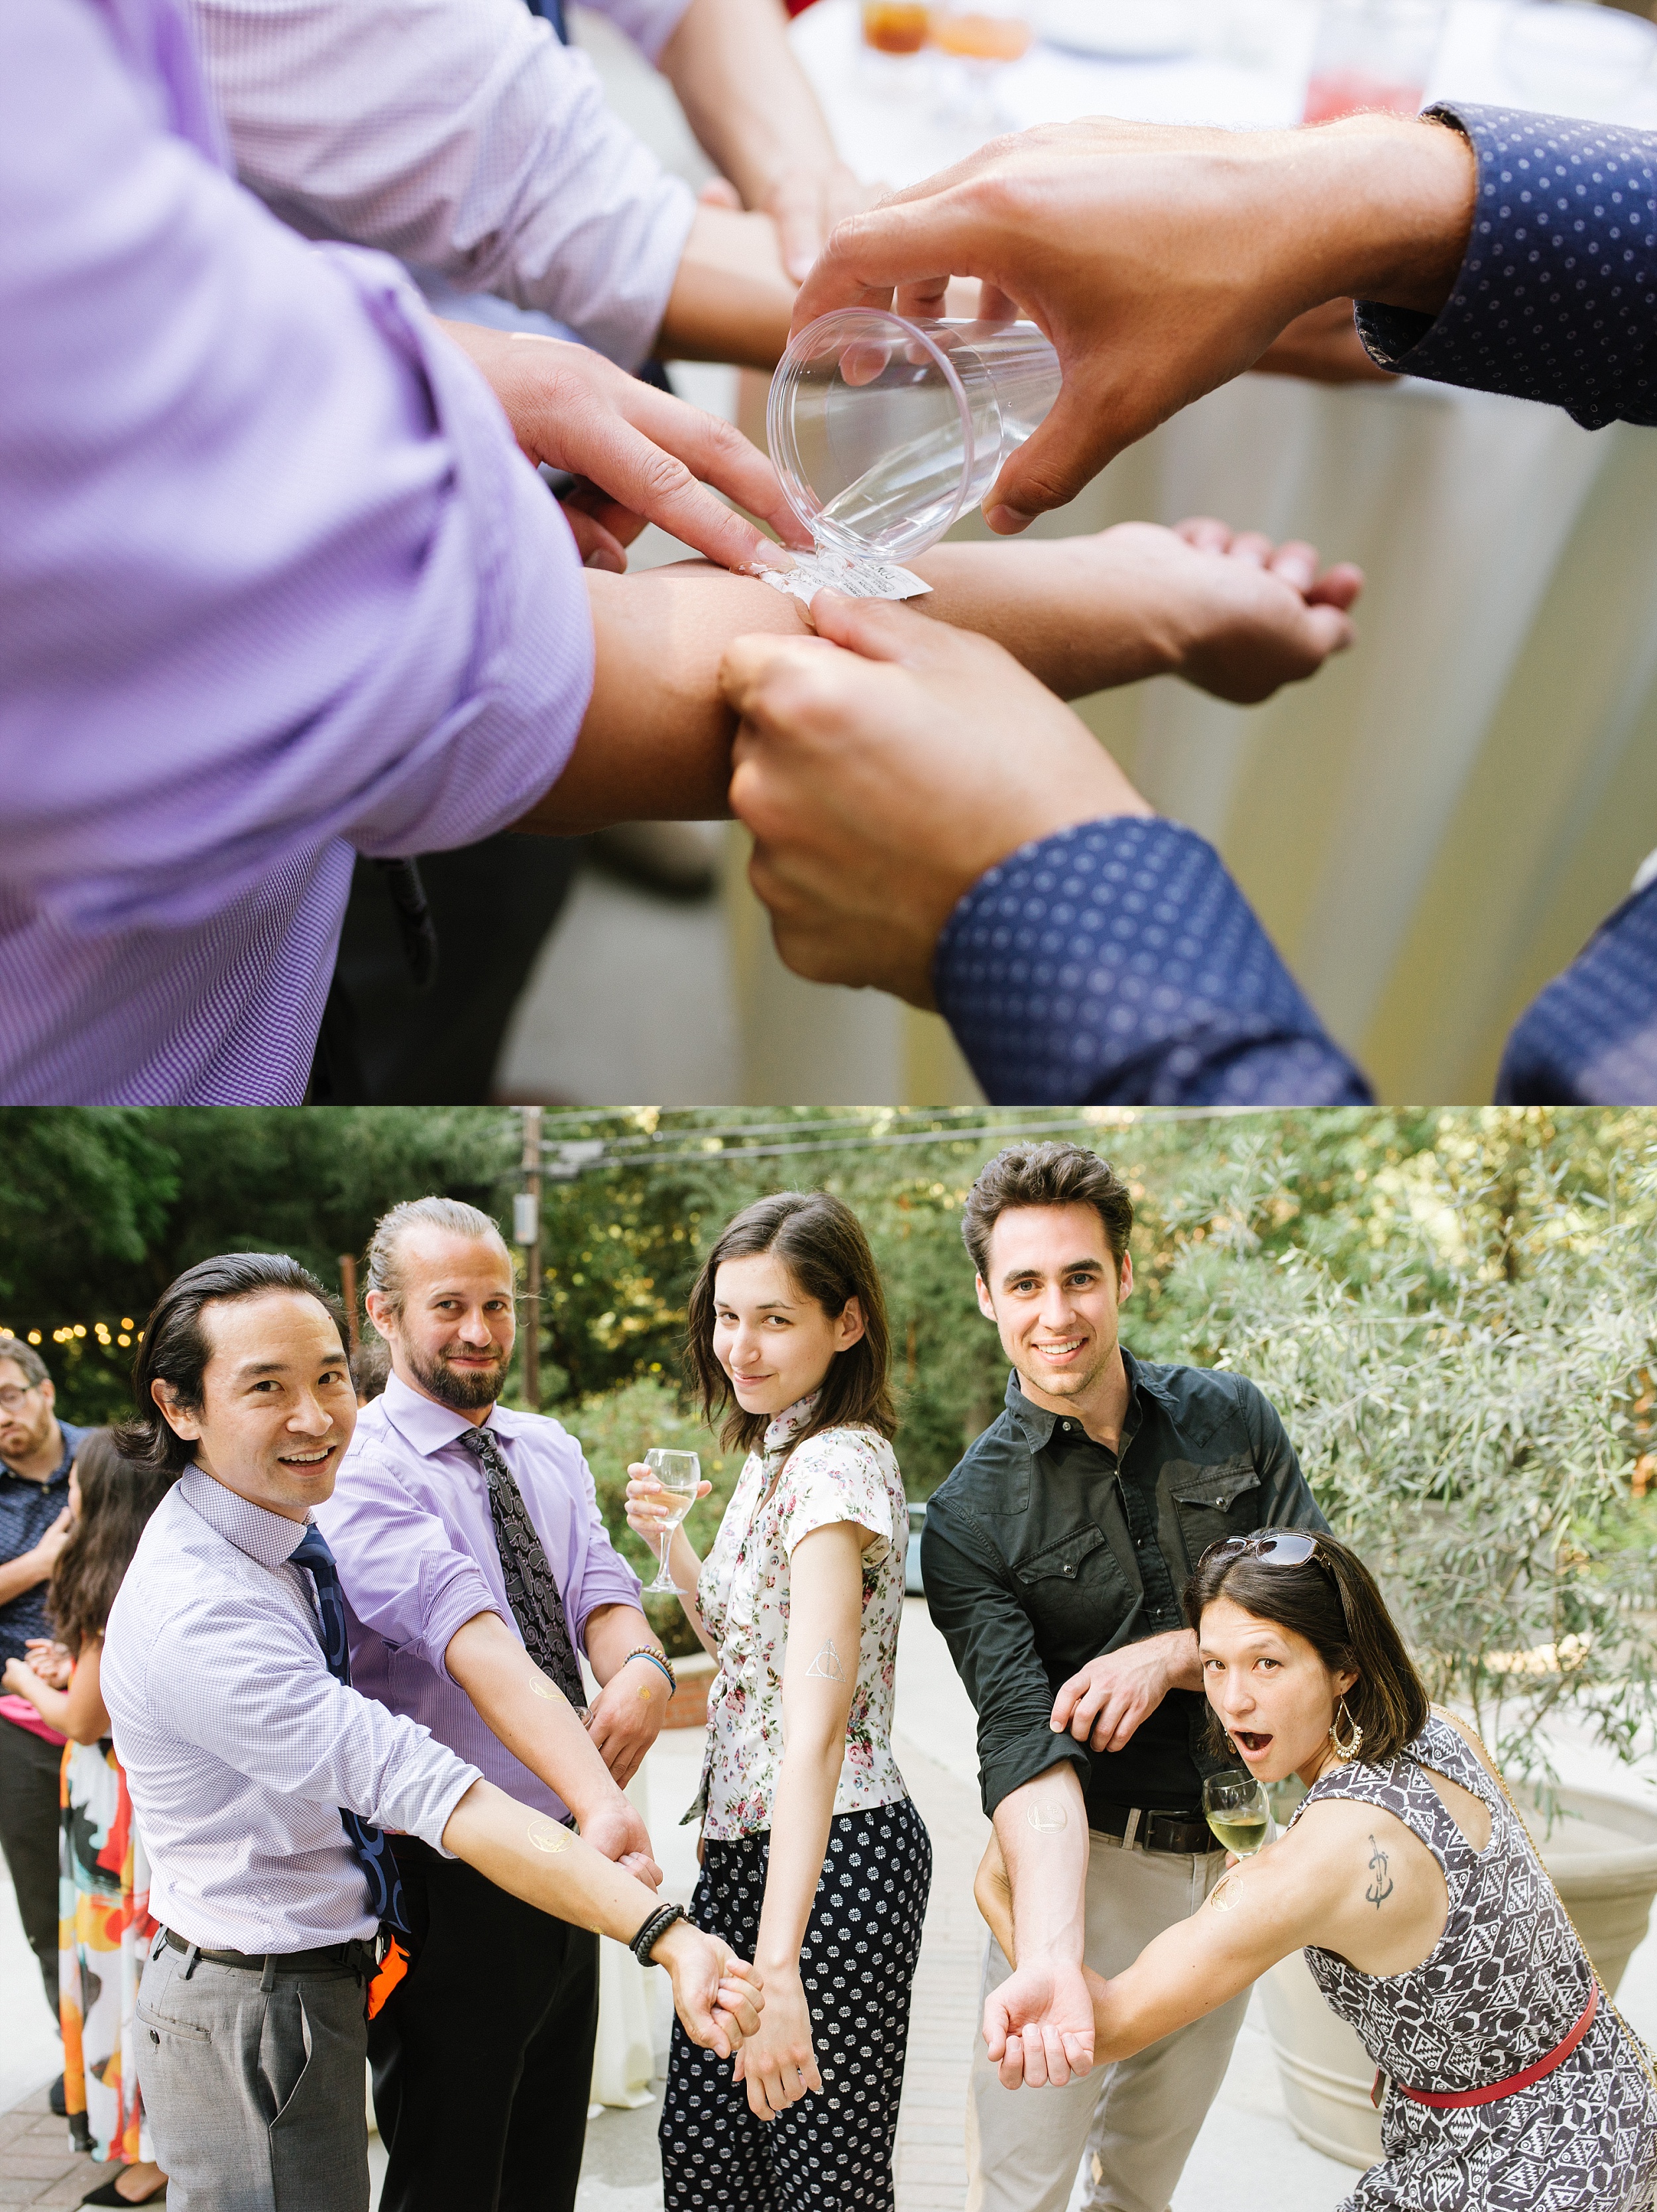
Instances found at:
x=367 y=1843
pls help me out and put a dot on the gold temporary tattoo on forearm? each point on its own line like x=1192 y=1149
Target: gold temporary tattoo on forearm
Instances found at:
x=645 y=1694
x=825 y=1667
x=548 y=1836
x=1381 y=1884
x=543 y=1688
x=1047 y=1818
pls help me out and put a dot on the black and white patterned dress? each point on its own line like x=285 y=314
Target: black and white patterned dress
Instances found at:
x=1503 y=1986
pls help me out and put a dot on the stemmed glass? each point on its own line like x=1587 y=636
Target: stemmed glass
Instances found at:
x=1235 y=1806
x=680 y=1473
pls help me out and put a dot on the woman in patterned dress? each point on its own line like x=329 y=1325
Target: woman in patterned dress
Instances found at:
x=1414 y=1890
x=103 y=1880
x=814 y=1858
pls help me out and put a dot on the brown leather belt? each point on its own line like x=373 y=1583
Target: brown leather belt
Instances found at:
x=1157 y=1832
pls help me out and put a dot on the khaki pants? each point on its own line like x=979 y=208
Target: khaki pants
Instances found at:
x=1134 y=2121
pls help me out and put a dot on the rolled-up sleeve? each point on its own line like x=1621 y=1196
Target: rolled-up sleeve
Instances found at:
x=460 y=135
x=648 y=23
x=404 y=1577
x=275 y=1715
x=1556 y=296
x=993 y=1645
x=274 y=573
x=1286 y=1499
x=1118 y=963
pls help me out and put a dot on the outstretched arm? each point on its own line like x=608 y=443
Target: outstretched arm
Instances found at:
x=530 y=1856
x=1230 y=611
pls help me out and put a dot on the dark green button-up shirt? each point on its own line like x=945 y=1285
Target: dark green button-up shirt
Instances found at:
x=1043 y=1550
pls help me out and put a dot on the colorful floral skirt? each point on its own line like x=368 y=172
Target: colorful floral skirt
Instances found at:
x=104 y=1932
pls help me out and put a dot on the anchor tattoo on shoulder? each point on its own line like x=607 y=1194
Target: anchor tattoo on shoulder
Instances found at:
x=1380 y=1884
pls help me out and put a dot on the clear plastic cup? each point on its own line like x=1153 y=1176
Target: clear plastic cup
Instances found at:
x=885 y=431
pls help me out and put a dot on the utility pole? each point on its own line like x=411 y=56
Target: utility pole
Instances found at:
x=348 y=1291
x=527 y=1230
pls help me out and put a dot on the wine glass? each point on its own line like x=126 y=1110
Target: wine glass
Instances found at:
x=680 y=1473
x=1234 y=1806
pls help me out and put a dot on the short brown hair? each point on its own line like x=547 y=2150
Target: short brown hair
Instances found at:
x=1056 y=1174
x=26 y=1357
x=1333 y=1602
x=821 y=1241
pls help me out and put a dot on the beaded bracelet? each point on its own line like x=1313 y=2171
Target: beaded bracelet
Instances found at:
x=657 y=1659
x=653 y=1931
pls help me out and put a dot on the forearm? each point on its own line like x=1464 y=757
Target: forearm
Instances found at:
x=730 y=299
x=1042 y=1829
x=52 y=1706
x=801 y=1810
x=21 y=1574
x=611 y=1632
x=747 y=99
x=1177 y=1654
x=534 y=1858
x=530 y=1715
x=1078 y=619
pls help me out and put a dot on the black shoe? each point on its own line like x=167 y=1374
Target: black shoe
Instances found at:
x=59 y=2102
x=110 y=2195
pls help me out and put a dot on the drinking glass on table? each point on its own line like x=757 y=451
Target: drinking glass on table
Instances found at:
x=1371 y=54
x=982 y=36
x=680 y=1473
x=1234 y=1806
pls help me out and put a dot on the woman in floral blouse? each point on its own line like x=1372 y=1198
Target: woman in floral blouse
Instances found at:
x=814 y=1861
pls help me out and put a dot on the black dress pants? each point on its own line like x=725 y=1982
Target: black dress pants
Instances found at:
x=482 y=2054
x=31 y=1827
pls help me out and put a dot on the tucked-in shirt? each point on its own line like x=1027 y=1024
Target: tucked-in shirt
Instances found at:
x=461 y=136
x=275 y=584
x=410 y=1526
x=240 y=1747
x=1044 y=1549
x=27 y=1510
x=1118 y=963
x=744 y=1595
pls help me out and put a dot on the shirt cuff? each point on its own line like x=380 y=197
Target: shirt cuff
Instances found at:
x=1025 y=1758
x=452 y=1591
x=1590 y=1037
x=437 y=1817
x=1116 y=963
x=1554 y=299
x=612 y=1583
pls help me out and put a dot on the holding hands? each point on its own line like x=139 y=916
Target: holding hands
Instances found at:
x=778 y=2064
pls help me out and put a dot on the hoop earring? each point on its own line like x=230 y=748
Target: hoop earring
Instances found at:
x=1230 y=1746
x=1349 y=1749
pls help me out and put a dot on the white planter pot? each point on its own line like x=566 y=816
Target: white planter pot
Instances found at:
x=1602 y=1854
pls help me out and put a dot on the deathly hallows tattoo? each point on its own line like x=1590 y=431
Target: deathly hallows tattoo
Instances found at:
x=825 y=1667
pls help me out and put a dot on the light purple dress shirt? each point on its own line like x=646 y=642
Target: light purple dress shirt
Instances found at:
x=239 y=1745
x=410 y=1526
x=275 y=584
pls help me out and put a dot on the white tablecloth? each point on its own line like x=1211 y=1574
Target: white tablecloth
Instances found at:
x=1432 y=826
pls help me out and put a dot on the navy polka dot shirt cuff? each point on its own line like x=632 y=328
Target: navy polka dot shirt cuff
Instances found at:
x=1118 y=963
x=1557 y=299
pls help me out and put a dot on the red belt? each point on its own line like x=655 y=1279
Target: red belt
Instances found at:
x=1444 y=2099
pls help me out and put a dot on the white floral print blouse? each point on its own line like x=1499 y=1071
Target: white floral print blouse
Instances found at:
x=841 y=1474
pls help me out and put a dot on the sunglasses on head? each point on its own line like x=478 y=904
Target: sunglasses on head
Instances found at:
x=1275 y=1547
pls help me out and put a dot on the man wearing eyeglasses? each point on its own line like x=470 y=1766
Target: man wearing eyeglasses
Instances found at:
x=1054 y=1558
x=37 y=1451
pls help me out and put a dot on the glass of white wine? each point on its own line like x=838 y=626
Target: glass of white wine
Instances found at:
x=680 y=1473
x=1235 y=1806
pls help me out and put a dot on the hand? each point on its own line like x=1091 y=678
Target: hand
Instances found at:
x=881 y=783
x=1039 y=2024
x=719 y=1998
x=615 y=1828
x=647 y=456
x=1159 y=261
x=778 y=2064
x=625 y=1717
x=1104 y=1704
x=992 y=1892
x=45 y=1553
x=1323 y=347
x=647 y=1502
x=806 y=202
x=53 y=1662
x=18 y=1679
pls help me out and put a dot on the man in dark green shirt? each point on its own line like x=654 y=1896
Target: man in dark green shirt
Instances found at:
x=1055 y=1559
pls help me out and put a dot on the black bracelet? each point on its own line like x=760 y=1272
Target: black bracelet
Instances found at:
x=653 y=1931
